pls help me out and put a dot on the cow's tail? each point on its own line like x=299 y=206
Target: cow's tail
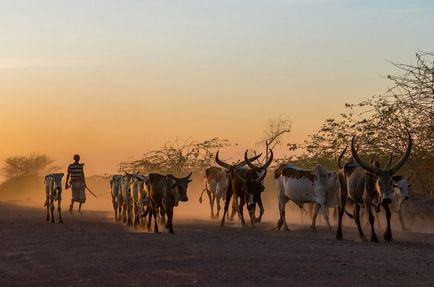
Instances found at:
x=200 y=198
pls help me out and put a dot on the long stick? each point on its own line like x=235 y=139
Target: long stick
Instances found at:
x=91 y=192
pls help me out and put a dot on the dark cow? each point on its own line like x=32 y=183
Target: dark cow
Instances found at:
x=369 y=186
x=165 y=192
x=247 y=184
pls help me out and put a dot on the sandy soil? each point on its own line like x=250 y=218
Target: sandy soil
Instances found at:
x=91 y=250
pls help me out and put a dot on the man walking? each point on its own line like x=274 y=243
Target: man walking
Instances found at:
x=76 y=180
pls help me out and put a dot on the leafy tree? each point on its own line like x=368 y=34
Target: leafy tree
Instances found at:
x=30 y=165
x=380 y=121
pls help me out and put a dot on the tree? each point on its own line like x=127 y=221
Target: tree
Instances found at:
x=30 y=165
x=380 y=121
x=177 y=158
x=274 y=133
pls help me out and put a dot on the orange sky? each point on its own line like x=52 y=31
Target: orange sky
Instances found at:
x=111 y=81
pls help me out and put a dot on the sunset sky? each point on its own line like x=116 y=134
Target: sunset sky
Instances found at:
x=113 y=79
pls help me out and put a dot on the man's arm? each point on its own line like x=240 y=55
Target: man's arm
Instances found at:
x=67 y=180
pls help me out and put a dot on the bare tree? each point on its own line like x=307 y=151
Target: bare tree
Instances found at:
x=275 y=132
x=177 y=157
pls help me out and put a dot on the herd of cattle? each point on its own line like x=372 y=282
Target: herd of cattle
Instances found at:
x=139 y=199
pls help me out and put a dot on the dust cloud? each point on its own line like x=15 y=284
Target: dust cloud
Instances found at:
x=29 y=191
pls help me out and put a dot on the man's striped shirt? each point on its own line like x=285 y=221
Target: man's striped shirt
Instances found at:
x=76 y=172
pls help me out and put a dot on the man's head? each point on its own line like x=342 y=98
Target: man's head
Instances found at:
x=76 y=158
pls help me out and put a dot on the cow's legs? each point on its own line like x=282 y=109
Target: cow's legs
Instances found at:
x=211 y=198
x=315 y=214
x=47 y=203
x=218 y=199
x=401 y=220
x=341 y=211
x=371 y=222
x=228 y=200
x=325 y=214
x=388 y=232
x=170 y=219
x=59 y=209
x=235 y=208
x=357 y=219
x=52 y=210
x=261 y=210
x=154 y=211
x=241 y=211
x=115 y=207
x=282 y=220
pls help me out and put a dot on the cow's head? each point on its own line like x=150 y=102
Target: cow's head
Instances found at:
x=402 y=187
x=57 y=180
x=384 y=176
x=252 y=184
x=180 y=185
x=258 y=171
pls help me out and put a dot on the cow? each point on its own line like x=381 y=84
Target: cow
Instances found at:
x=317 y=186
x=139 y=197
x=247 y=184
x=53 y=192
x=215 y=185
x=369 y=186
x=115 y=188
x=126 y=199
x=401 y=193
x=165 y=192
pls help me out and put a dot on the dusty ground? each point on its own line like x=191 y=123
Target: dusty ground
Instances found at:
x=90 y=250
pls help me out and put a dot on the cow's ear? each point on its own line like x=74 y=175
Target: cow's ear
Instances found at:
x=188 y=181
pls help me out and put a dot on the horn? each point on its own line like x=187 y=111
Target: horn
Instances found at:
x=222 y=163
x=244 y=162
x=262 y=177
x=341 y=156
x=389 y=162
x=356 y=157
x=188 y=176
x=406 y=155
x=411 y=174
x=269 y=161
x=249 y=163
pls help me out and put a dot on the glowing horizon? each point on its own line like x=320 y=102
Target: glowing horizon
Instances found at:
x=111 y=80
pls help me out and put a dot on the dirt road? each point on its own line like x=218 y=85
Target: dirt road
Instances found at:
x=90 y=250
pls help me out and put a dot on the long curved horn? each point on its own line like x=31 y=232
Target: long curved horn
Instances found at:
x=341 y=156
x=189 y=175
x=249 y=163
x=244 y=162
x=262 y=177
x=360 y=162
x=269 y=161
x=222 y=163
x=389 y=162
x=406 y=155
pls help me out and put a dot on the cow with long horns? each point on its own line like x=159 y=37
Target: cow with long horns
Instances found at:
x=247 y=185
x=369 y=186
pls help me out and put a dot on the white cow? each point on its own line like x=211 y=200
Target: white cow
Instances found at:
x=53 y=192
x=126 y=199
x=139 y=197
x=401 y=192
x=317 y=186
x=115 y=187
x=215 y=185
